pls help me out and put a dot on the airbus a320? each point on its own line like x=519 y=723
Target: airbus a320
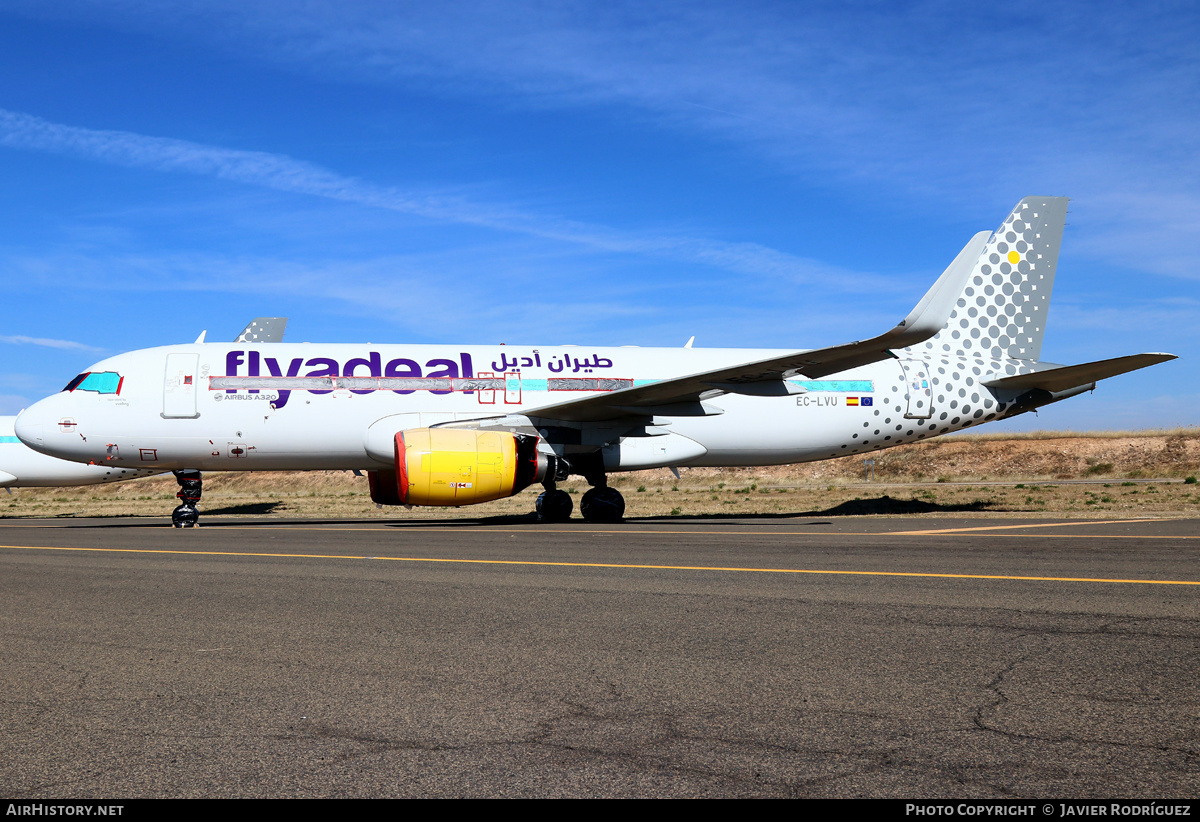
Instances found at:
x=435 y=425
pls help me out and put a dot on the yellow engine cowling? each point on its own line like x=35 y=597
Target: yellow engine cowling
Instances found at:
x=454 y=466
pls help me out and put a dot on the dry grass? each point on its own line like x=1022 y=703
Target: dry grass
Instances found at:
x=1187 y=431
x=977 y=475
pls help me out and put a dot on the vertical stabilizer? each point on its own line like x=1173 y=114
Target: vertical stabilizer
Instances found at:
x=1001 y=313
x=263 y=330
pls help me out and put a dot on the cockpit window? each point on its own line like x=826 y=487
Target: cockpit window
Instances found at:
x=102 y=382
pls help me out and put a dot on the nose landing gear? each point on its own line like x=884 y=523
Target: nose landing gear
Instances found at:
x=190 y=487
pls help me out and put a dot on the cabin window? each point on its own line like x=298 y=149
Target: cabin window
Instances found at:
x=102 y=382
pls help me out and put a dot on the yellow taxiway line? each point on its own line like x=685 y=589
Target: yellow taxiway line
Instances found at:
x=934 y=531
x=441 y=528
x=448 y=560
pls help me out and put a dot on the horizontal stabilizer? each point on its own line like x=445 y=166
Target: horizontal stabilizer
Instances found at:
x=1065 y=377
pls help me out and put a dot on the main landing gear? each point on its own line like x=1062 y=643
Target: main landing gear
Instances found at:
x=600 y=503
x=190 y=486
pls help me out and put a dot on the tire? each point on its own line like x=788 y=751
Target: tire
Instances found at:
x=602 y=505
x=185 y=516
x=554 y=506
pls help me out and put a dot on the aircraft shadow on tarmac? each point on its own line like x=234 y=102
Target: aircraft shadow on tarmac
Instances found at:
x=878 y=506
x=249 y=508
x=888 y=505
x=853 y=508
x=883 y=505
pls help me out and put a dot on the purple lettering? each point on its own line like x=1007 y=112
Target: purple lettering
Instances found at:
x=446 y=369
x=450 y=369
x=467 y=370
x=276 y=371
x=329 y=369
x=232 y=360
x=372 y=364
x=402 y=368
x=252 y=369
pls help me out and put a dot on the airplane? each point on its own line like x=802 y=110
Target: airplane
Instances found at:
x=22 y=467
x=456 y=425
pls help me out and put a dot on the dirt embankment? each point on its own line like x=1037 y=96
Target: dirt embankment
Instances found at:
x=1040 y=456
x=977 y=475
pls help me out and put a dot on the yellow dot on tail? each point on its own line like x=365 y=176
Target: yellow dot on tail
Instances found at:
x=1014 y=257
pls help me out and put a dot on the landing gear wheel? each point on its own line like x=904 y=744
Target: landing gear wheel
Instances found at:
x=602 y=504
x=185 y=516
x=554 y=506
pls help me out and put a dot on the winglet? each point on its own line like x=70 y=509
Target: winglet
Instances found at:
x=933 y=311
x=203 y=334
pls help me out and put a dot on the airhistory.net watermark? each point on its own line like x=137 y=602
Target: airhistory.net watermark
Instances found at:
x=39 y=809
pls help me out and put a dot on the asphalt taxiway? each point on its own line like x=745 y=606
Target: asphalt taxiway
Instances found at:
x=760 y=656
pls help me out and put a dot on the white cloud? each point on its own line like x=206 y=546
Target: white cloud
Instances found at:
x=946 y=104
x=24 y=131
x=70 y=345
x=952 y=107
x=870 y=83
x=442 y=296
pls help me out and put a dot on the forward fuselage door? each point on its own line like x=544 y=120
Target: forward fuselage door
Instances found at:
x=179 y=386
x=917 y=389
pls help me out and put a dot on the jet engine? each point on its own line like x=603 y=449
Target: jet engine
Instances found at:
x=455 y=466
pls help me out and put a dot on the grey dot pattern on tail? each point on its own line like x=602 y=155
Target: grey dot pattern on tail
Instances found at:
x=1001 y=313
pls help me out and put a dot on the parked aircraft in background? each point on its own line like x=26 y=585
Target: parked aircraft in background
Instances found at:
x=22 y=467
x=456 y=425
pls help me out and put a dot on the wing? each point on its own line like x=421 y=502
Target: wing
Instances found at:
x=681 y=396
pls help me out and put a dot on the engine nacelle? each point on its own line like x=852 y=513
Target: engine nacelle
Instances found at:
x=455 y=466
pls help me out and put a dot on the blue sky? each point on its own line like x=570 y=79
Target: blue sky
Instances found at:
x=755 y=174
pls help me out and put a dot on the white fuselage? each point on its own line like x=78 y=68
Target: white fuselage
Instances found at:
x=161 y=411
